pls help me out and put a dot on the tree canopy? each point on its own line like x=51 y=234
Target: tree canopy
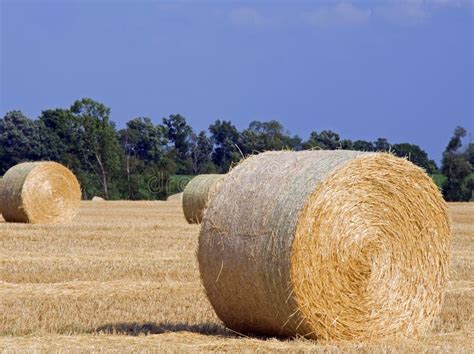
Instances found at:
x=140 y=160
x=457 y=167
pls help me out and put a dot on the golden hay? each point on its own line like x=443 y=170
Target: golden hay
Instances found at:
x=197 y=194
x=39 y=192
x=336 y=245
x=177 y=197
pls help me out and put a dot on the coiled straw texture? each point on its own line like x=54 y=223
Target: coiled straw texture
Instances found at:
x=39 y=192
x=332 y=245
x=197 y=194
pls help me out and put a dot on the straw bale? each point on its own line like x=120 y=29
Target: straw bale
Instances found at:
x=197 y=194
x=332 y=245
x=39 y=192
x=175 y=197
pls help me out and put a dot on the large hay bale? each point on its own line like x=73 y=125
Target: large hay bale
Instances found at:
x=197 y=194
x=39 y=192
x=97 y=199
x=334 y=245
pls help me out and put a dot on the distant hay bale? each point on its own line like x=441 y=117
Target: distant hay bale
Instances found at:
x=97 y=199
x=39 y=192
x=336 y=245
x=196 y=195
x=175 y=197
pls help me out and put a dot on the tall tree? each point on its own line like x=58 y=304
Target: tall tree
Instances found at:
x=363 y=145
x=455 y=142
x=225 y=138
x=99 y=145
x=456 y=167
x=179 y=134
x=143 y=144
x=264 y=136
x=470 y=154
x=382 y=144
x=326 y=140
x=59 y=135
x=19 y=140
x=201 y=149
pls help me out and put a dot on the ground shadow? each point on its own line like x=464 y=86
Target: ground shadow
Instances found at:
x=137 y=329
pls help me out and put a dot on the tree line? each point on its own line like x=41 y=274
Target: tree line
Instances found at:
x=141 y=160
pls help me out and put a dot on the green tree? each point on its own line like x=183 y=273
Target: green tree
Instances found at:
x=19 y=140
x=416 y=155
x=266 y=136
x=382 y=144
x=58 y=129
x=201 y=149
x=470 y=181
x=143 y=144
x=469 y=186
x=98 y=143
x=470 y=154
x=456 y=167
x=326 y=140
x=144 y=140
x=179 y=134
x=363 y=145
x=456 y=140
x=225 y=138
x=345 y=144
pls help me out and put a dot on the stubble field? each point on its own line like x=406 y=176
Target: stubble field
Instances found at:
x=123 y=277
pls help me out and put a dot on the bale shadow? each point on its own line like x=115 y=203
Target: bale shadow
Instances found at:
x=148 y=328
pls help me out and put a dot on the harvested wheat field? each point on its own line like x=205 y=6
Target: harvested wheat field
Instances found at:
x=123 y=276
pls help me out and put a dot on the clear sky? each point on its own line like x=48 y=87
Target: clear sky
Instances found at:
x=402 y=70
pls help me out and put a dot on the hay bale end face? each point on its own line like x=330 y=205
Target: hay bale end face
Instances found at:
x=332 y=245
x=39 y=192
x=197 y=194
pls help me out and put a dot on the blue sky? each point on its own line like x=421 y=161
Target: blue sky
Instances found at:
x=402 y=70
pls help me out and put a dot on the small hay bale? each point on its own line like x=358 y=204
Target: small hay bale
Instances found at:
x=175 y=197
x=332 y=245
x=39 y=192
x=197 y=194
x=97 y=199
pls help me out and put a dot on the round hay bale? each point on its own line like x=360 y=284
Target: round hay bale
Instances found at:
x=39 y=192
x=175 y=197
x=197 y=194
x=332 y=245
x=97 y=199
